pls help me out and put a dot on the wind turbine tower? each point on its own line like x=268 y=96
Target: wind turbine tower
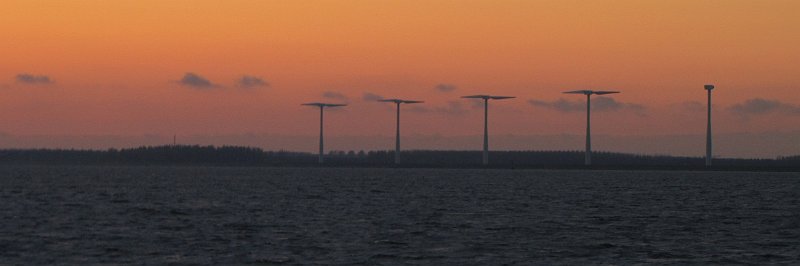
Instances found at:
x=321 y=117
x=398 y=102
x=486 y=99
x=588 y=157
x=708 y=88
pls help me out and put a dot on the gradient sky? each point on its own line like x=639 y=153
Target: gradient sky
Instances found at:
x=123 y=67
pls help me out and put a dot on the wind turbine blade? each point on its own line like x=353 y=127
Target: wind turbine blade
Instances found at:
x=605 y=92
x=412 y=101
x=324 y=104
x=476 y=96
x=501 y=97
x=579 y=92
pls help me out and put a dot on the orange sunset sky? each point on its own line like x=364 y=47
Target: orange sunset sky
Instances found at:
x=90 y=68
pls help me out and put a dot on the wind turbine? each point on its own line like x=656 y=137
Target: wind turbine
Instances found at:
x=708 y=129
x=321 y=116
x=486 y=99
x=588 y=159
x=398 y=102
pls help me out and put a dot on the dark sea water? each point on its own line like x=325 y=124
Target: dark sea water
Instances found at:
x=152 y=215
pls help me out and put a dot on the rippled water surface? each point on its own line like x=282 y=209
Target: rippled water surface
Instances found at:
x=78 y=215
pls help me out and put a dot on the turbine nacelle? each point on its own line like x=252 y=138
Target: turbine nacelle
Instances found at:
x=399 y=101
x=590 y=92
x=324 y=104
x=488 y=97
x=708 y=87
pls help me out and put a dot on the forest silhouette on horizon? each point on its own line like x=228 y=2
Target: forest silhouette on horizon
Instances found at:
x=251 y=156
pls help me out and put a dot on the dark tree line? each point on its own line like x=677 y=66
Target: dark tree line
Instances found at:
x=248 y=156
x=226 y=155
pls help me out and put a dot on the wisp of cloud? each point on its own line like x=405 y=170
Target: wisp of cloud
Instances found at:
x=600 y=104
x=445 y=87
x=335 y=95
x=368 y=96
x=759 y=106
x=249 y=82
x=33 y=79
x=196 y=81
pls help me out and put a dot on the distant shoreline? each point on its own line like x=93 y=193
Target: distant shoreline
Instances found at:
x=184 y=155
x=431 y=167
